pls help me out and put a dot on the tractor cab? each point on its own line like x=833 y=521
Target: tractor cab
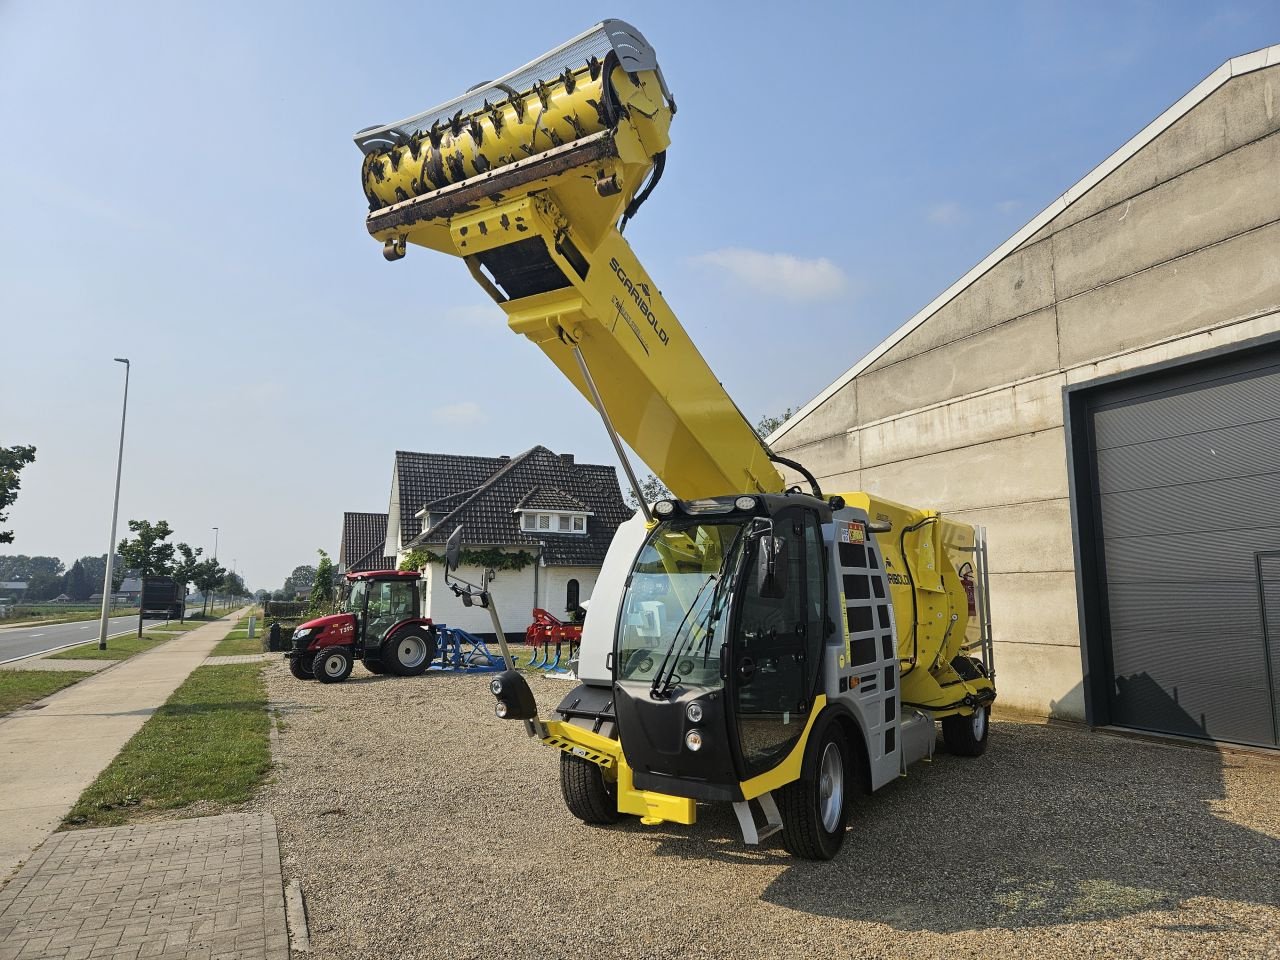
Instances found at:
x=379 y=622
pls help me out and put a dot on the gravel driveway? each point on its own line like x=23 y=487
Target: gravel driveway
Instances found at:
x=421 y=826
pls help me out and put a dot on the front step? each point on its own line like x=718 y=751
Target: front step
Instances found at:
x=752 y=834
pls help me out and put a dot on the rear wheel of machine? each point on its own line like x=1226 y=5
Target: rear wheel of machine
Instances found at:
x=586 y=793
x=966 y=736
x=409 y=652
x=374 y=666
x=332 y=665
x=300 y=667
x=815 y=809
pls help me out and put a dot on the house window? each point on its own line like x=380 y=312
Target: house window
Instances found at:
x=553 y=522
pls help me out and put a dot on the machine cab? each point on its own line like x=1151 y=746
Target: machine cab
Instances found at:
x=378 y=601
x=717 y=660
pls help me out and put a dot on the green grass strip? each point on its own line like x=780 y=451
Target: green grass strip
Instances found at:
x=237 y=646
x=118 y=648
x=208 y=743
x=20 y=687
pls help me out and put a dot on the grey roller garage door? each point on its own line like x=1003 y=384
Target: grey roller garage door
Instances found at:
x=1186 y=522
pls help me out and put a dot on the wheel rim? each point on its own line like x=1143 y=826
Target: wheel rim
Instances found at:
x=979 y=723
x=831 y=787
x=334 y=665
x=411 y=651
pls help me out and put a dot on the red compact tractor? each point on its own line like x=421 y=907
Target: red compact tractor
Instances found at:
x=380 y=623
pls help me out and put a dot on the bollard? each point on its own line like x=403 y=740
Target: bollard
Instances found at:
x=251 y=624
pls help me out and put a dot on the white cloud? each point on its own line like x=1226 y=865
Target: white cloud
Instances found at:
x=945 y=213
x=780 y=274
x=464 y=414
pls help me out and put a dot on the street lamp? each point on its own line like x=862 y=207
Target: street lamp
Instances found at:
x=213 y=591
x=115 y=512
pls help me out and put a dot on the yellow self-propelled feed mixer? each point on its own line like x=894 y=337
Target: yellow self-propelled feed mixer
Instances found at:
x=746 y=642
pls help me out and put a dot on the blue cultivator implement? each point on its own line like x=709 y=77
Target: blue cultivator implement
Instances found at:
x=464 y=652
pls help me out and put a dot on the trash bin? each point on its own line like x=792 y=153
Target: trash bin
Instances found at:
x=273 y=637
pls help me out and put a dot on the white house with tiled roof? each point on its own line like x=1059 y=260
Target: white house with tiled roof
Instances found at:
x=560 y=514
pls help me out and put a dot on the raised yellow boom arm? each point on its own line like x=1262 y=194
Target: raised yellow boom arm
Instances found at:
x=529 y=180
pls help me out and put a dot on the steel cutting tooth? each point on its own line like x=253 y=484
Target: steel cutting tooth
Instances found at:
x=434 y=135
x=569 y=80
x=476 y=131
x=544 y=95
x=593 y=67
x=495 y=114
x=455 y=124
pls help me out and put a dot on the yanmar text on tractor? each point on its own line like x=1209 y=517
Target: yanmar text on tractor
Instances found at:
x=746 y=642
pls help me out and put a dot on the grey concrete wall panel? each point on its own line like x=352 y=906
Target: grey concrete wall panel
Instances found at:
x=1231 y=195
x=1035 y=608
x=1014 y=470
x=1040 y=679
x=1236 y=278
x=829 y=457
x=1020 y=284
x=1025 y=537
x=833 y=418
x=1012 y=351
x=994 y=415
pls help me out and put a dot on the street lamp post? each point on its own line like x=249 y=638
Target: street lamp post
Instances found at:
x=214 y=590
x=115 y=512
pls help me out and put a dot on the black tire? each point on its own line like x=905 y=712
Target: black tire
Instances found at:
x=815 y=808
x=587 y=794
x=300 y=667
x=409 y=652
x=332 y=664
x=966 y=735
x=373 y=665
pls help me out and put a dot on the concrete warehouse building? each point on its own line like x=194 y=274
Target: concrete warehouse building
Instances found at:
x=1103 y=394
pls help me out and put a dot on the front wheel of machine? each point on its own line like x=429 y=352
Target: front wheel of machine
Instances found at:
x=586 y=794
x=814 y=809
x=332 y=665
x=300 y=667
x=966 y=736
x=409 y=652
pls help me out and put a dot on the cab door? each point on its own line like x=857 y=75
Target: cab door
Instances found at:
x=774 y=645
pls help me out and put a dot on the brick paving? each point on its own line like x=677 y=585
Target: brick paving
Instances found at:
x=239 y=658
x=205 y=889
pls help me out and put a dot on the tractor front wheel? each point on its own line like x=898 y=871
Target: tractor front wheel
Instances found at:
x=409 y=652
x=966 y=736
x=586 y=793
x=374 y=665
x=815 y=808
x=300 y=667
x=332 y=665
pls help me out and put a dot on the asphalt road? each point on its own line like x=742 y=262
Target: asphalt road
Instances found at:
x=25 y=641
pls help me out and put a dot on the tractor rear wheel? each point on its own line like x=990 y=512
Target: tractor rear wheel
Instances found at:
x=409 y=652
x=300 y=667
x=815 y=808
x=966 y=736
x=586 y=793
x=332 y=665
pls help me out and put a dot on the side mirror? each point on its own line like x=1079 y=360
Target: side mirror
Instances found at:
x=771 y=567
x=452 y=549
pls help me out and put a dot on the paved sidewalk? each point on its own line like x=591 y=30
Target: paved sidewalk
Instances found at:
x=48 y=756
x=199 y=889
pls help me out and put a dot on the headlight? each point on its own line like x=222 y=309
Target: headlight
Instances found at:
x=304 y=632
x=745 y=503
x=693 y=740
x=500 y=709
x=664 y=508
x=495 y=687
x=694 y=712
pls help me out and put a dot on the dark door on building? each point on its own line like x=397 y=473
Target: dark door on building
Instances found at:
x=1183 y=535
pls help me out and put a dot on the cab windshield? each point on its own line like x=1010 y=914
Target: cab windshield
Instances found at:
x=676 y=601
x=355 y=597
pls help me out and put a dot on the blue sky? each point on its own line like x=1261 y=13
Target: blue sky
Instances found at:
x=178 y=185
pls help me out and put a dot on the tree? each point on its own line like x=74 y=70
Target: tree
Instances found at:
x=21 y=567
x=300 y=581
x=652 y=488
x=12 y=460
x=147 y=553
x=184 y=568
x=322 y=583
x=233 y=586
x=76 y=583
x=43 y=586
x=208 y=576
x=767 y=424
